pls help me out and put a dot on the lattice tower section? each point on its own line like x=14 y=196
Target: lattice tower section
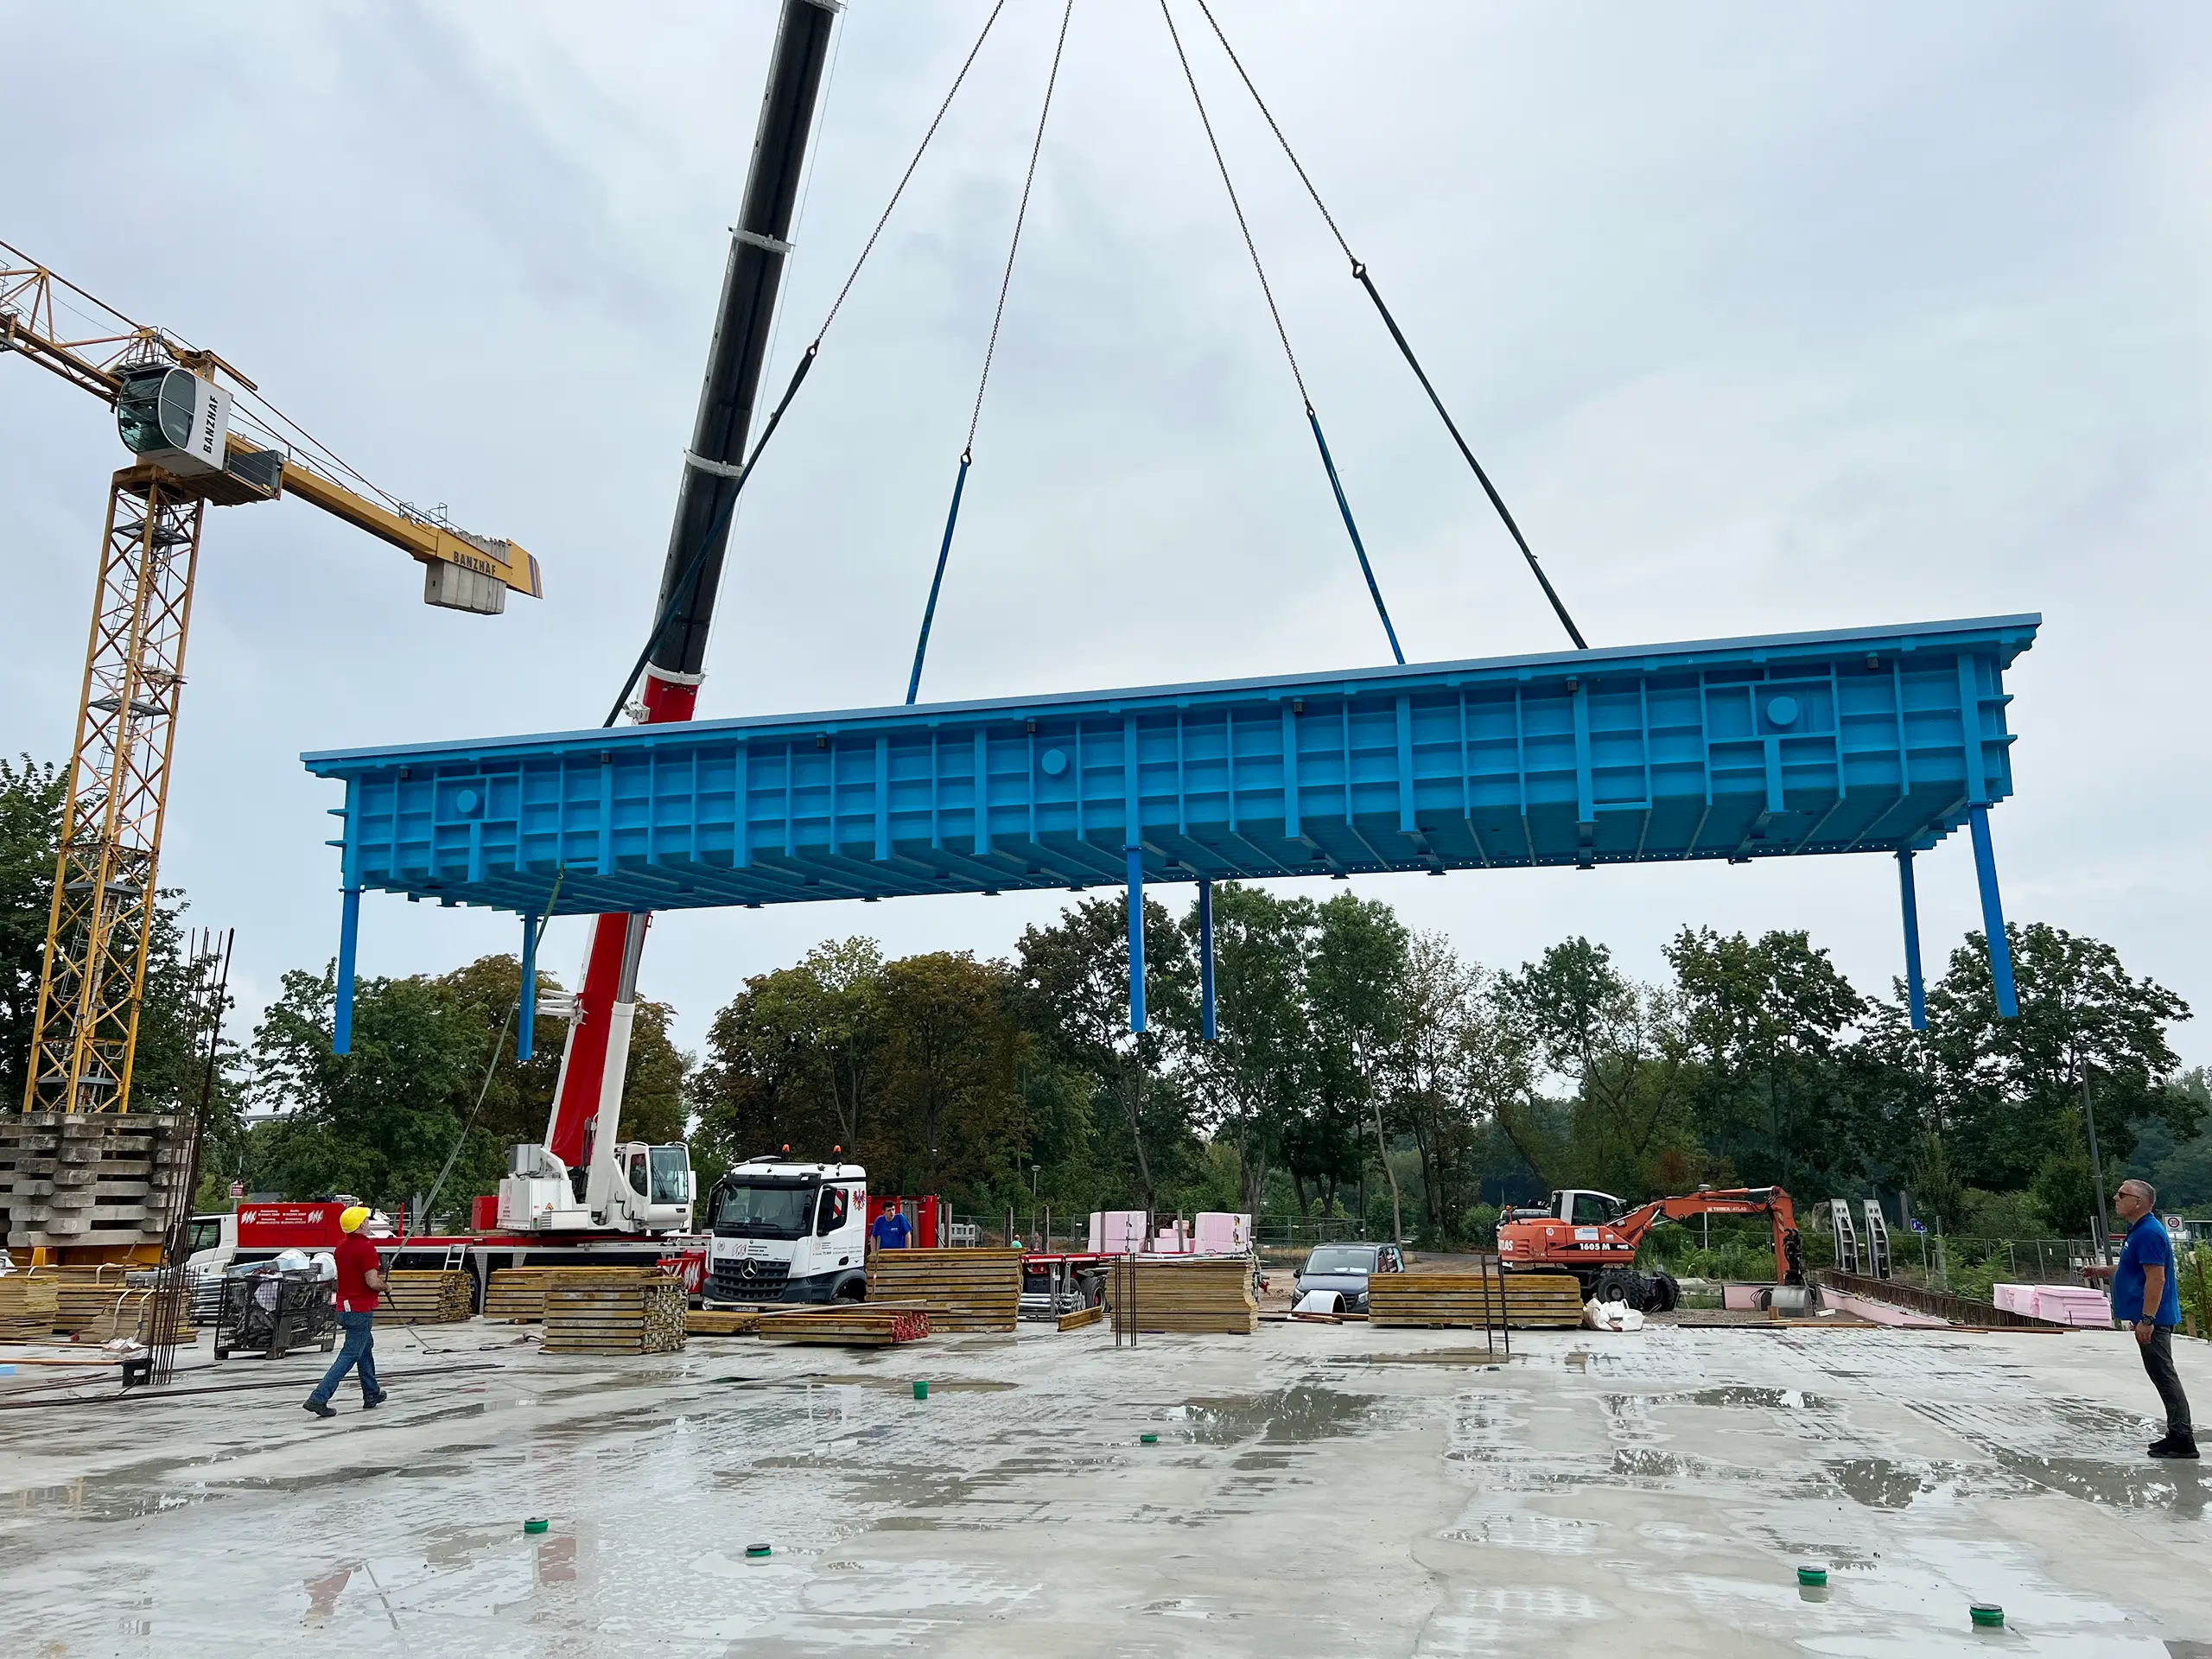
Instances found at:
x=89 y=986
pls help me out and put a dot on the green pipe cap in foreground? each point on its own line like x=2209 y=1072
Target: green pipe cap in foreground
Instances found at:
x=1815 y=1576
x=1988 y=1615
x=535 y=1525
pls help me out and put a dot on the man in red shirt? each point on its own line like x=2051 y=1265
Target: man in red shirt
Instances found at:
x=360 y=1276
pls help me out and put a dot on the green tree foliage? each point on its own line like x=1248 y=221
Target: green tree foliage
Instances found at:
x=1073 y=989
x=30 y=819
x=2011 y=1087
x=380 y=1123
x=1765 y=1022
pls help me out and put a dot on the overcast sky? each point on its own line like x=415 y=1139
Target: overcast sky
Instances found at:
x=1763 y=318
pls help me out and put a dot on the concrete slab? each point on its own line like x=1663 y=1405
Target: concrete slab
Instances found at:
x=1314 y=1490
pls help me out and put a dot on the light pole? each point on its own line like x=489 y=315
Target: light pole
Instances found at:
x=2096 y=1164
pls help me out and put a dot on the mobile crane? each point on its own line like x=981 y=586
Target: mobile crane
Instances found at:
x=198 y=437
x=1595 y=1236
x=587 y=1100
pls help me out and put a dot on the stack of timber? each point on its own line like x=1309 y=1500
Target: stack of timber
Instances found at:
x=99 y=1303
x=1194 y=1296
x=849 y=1325
x=517 y=1295
x=964 y=1290
x=28 y=1307
x=129 y=1315
x=613 y=1310
x=429 y=1296
x=82 y=1178
x=1081 y=1316
x=722 y=1321
x=1525 y=1300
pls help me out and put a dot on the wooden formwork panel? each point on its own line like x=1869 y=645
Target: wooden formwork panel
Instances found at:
x=964 y=1290
x=1193 y=1298
x=1458 y=1301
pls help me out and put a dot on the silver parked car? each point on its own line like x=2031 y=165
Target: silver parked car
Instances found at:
x=1344 y=1268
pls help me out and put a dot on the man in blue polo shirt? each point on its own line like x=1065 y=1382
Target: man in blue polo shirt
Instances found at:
x=892 y=1230
x=2146 y=1296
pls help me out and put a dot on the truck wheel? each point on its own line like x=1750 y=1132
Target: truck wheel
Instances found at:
x=1616 y=1285
x=853 y=1290
x=1664 y=1295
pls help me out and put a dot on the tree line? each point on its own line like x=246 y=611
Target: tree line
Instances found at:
x=1363 y=1070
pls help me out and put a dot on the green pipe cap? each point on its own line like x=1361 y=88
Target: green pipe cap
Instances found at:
x=535 y=1525
x=1988 y=1615
x=1815 y=1576
x=756 y=1552
x=1148 y=1439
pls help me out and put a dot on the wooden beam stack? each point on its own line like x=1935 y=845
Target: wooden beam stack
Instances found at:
x=849 y=1325
x=28 y=1307
x=1455 y=1300
x=722 y=1321
x=613 y=1310
x=1193 y=1296
x=1077 y=1318
x=964 y=1290
x=431 y=1296
x=517 y=1295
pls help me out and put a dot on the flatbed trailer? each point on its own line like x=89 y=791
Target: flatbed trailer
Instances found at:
x=1056 y=1283
x=265 y=1231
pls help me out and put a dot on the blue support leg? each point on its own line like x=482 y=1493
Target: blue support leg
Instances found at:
x=1915 y=991
x=349 y=938
x=526 y=1021
x=1993 y=914
x=1205 y=961
x=1136 y=939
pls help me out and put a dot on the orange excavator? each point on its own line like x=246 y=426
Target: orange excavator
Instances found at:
x=1595 y=1236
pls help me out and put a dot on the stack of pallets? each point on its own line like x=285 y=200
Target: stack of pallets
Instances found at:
x=28 y=1307
x=516 y=1294
x=851 y=1325
x=613 y=1310
x=964 y=1290
x=1526 y=1301
x=1192 y=1297
x=432 y=1296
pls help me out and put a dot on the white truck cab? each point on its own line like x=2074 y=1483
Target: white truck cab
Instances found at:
x=784 y=1231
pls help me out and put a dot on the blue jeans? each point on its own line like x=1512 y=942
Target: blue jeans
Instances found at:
x=360 y=1349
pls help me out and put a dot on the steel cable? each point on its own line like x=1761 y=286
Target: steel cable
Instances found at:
x=990 y=351
x=1328 y=462
x=1360 y=273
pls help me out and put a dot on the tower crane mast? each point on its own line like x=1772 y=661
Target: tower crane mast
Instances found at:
x=200 y=436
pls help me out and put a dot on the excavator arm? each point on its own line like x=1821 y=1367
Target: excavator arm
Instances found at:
x=1771 y=1202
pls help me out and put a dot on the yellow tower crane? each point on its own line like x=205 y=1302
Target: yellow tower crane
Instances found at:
x=200 y=435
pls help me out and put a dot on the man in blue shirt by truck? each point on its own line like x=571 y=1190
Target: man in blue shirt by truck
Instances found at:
x=2146 y=1297
x=892 y=1230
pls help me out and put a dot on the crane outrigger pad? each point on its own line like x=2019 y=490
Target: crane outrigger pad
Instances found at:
x=1851 y=740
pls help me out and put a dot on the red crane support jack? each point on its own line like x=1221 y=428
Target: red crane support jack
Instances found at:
x=599 y=1039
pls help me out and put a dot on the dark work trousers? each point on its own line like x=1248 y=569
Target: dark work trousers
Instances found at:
x=2158 y=1362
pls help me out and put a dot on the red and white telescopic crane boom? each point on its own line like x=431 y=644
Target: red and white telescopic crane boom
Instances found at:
x=588 y=1103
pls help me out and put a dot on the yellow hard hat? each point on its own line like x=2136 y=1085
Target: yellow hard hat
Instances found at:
x=350 y=1220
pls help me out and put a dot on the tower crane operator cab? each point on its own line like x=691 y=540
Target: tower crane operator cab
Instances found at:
x=788 y=1232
